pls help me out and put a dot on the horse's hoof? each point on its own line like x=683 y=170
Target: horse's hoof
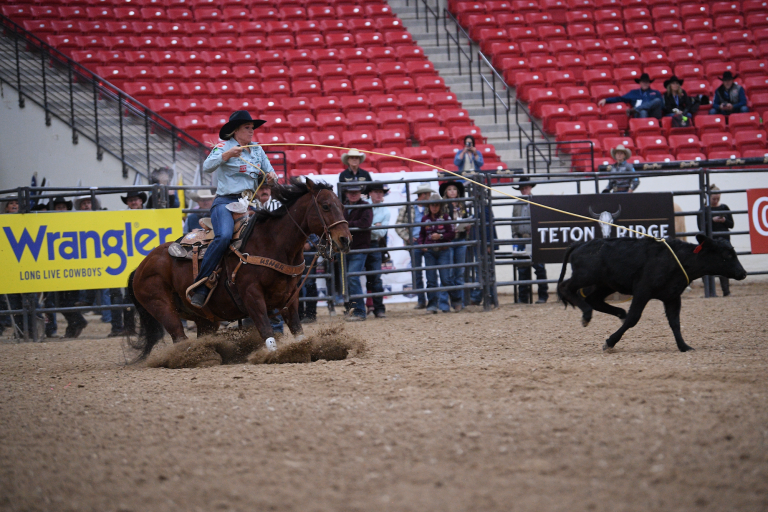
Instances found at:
x=271 y=344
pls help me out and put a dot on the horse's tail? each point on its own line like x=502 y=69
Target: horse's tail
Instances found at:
x=150 y=330
x=560 y=293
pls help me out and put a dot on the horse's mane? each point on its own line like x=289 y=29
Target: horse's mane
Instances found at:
x=288 y=195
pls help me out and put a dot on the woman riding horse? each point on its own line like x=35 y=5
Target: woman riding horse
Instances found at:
x=239 y=170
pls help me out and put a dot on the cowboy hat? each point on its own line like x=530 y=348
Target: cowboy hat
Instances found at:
x=59 y=200
x=621 y=148
x=205 y=193
x=456 y=183
x=671 y=79
x=727 y=75
x=434 y=198
x=352 y=152
x=377 y=186
x=354 y=187
x=94 y=202
x=237 y=118
x=424 y=189
x=523 y=179
x=643 y=78
x=134 y=193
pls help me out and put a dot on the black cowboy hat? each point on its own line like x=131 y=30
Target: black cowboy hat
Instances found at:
x=456 y=183
x=727 y=75
x=237 y=118
x=523 y=181
x=376 y=186
x=671 y=79
x=59 y=200
x=643 y=78
x=134 y=193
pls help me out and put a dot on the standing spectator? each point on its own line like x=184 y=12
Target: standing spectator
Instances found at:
x=352 y=171
x=308 y=309
x=87 y=203
x=377 y=191
x=469 y=158
x=457 y=210
x=204 y=200
x=163 y=176
x=621 y=154
x=9 y=204
x=360 y=218
x=677 y=104
x=411 y=236
x=524 y=231
x=730 y=97
x=75 y=321
x=644 y=102
x=722 y=223
x=432 y=232
x=134 y=199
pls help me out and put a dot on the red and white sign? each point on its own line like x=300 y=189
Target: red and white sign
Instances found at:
x=758 y=219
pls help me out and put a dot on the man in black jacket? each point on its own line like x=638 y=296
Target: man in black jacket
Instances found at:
x=722 y=222
x=360 y=218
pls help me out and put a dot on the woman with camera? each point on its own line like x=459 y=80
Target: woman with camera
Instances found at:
x=469 y=158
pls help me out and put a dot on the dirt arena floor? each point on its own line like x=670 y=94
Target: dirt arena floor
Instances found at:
x=517 y=409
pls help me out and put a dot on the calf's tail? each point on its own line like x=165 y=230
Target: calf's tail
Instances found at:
x=150 y=330
x=560 y=293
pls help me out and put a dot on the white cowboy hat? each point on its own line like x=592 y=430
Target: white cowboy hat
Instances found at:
x=205 y=193
x=95 y=205
x=621 y=148
x=352 y=152
x=424 y=189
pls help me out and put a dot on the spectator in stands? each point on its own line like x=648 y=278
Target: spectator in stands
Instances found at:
x=9 y=204
x=308 y=309
x=469 y=158
x=134 y=199
x=412 y=215
x=621 y=154
x=86 y=203
x=432 y=232
x=352 y=171
x=644 y=102
x=722 y=222
x=730 y=97
x=677 y=104
x=204 y=200
x=360 y=218
x=457 y=210
x=163 y=176
x=264 y=200
x=376 y=192
x=525 y=186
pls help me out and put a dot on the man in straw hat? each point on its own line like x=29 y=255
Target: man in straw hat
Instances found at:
x=239 y=172
x=204 y=199
x=730 y=97
x=644 y=102
x=411 y=235
x=352 y=172
x=625 y=184
x=86 y=203
x=525 y=186
x=134 y=199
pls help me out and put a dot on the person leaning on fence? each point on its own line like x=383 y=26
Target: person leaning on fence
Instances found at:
x=722 y=223
x=416 y=212
x=162 y=176
x=457 y=210
x=677 y=104
x=134 y=200
x=468 y=158
x=360 y=218
x=376 y=192
x=623 y=184
x=730 y=97
x=204 y=200
x=9 y=204
x=644 y=102
x=433 y=231
x=525 y=186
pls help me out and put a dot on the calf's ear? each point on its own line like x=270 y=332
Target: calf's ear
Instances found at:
x=703 y=239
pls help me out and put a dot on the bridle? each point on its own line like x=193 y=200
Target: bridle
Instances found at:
x=326 y=242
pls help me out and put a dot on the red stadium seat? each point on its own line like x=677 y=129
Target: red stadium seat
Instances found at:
x=684 y=143
x=644 y=127
x=329 y=138
x=542 y=96
x=625 y=59
x=433 y=136
x=409 y=53
x=526 y=81
x=382 y=102
x=759 y=102
x=542 y=64
x=649 y=145
x=414 y=101
x=597 y=77
x=553 y=114
x=723 y=154
x=756 y=85
x=392 y=137
x=743 y=121
x=368 y=86
x=304 y=72
x=360 y=139
x=709 y=124
x=576 y=130
x=350 y=103
x=599 y=129
x=753 y=68
x=561 y=78
x=393 y=120
x=443 y=100
x=459 y=133
x=587 y=112
x=571 y=95
x=719 y=141
x=427 y=84
x=750 y=140
x=600 y=92
x=352 y=55
x=707 y=40
x=325 y=104
x=397 y=85
x=142 y=90
x=742 y=52
x=381 y=54
x=362 y=121
x=339 y=86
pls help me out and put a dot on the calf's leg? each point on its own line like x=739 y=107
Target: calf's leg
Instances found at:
x=672 y=309
x=570 y=295
x=633 y=316
x=596 y=299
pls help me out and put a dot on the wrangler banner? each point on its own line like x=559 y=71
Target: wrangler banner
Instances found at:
x=554 y=232
x=48 y=252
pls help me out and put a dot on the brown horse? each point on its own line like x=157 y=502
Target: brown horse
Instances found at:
x=158 y=285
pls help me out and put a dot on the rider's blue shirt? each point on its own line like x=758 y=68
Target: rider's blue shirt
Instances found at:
x=234 y=175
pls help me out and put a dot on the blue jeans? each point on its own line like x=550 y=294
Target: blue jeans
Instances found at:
x=417 y=259
x=223 y=224
x=436 y=257
x=458 y=257
x=715 y=111
x=650 y=108
x=355 y=263
x=373 y=283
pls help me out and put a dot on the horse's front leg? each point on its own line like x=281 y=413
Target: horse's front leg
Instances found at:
x=293 y=320
x=257 y=310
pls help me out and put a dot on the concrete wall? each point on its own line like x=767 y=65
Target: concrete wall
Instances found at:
x=27 y=145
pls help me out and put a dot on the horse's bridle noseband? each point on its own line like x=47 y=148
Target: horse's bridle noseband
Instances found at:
x=324 y=247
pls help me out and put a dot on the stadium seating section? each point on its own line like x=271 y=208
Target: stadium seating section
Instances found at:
x=564 y=56
x=331 y=73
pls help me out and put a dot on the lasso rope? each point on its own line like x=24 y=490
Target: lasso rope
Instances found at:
x=590 y=219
